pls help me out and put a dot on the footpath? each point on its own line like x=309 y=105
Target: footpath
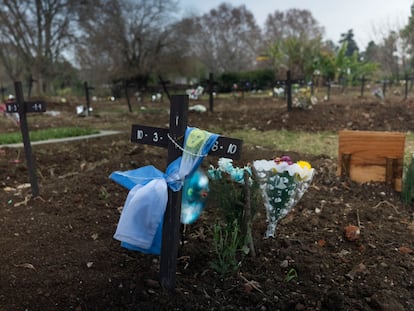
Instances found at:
x=60 y=140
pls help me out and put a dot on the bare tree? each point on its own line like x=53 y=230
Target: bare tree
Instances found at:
x=225 y=39
x=393 y=46
x=33 y=36
x=124 y=39
x=292 y=23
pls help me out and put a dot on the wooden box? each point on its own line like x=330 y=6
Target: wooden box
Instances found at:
x=365 y=156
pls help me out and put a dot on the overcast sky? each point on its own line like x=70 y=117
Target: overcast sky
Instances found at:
x=367 y=18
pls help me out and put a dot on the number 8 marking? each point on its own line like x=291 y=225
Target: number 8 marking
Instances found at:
x=215 y=146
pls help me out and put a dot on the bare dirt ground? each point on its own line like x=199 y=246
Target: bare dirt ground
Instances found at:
x=58 y=251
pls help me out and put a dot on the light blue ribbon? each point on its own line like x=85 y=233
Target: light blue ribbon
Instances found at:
x=140 y=224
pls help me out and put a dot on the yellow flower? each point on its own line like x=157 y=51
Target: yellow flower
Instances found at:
x=304 y=164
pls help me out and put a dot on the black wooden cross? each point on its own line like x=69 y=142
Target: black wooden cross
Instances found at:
x=211 y=83
x=328 y=89
x=288 y=87
x=29 y=90
x=384 y=86
x=2 y=90
x=164 y=84
x=88 y=102
x=363 y=81
x=21 y=107
x=168 y=138
x=407 y=78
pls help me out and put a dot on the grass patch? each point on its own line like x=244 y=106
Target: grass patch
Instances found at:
x=321 y=143
x=46 y=134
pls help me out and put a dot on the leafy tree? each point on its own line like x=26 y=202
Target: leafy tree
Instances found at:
x=408 y=31
x=407 y=43
x=372 y=52
x=326 y=64
x=293 y=40
x=351 y=46
x=351 y=68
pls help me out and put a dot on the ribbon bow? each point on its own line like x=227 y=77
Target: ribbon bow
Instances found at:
x=140 y=224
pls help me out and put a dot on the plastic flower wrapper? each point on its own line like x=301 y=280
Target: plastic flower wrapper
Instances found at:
x=378 y=93
x=282 y=184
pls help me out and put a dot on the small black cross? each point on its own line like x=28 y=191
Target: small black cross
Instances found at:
x=288 y=87
x=22 y=108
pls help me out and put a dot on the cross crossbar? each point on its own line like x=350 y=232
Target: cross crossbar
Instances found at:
x=32 y=106
x=155 y=136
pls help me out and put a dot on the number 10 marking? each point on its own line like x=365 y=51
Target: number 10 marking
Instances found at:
x=232 y=149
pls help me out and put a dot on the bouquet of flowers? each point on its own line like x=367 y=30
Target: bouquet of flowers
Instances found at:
x=303 y=98
x=282 y=184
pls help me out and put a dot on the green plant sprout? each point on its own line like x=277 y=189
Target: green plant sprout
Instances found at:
x=292 y=274
x=408 y=184
x=225 y=241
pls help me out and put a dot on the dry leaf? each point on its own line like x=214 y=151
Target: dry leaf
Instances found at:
x=26 y=265
x=405 y=250
x=9 y=189
x=248 y=287
x=82 y=166
x=24 y=202
x=24 y=186
x=352 y=232
x=94 y=236
x=321 y=242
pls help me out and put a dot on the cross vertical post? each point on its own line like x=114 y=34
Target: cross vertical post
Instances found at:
x=2 y=89
x=171 y=225
x=406 y=86
x=164 y=86
x=26 y=140
x=88 y=102
x=127 y=95
x=29 y=91
x=173 y=139
x=210 y=90
x=289 y=90
x=362 y=85
x=328 y=84
x=384 y=87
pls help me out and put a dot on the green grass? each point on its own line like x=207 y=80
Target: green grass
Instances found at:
x=325 y=143
x=46 y=134
x=320 y=143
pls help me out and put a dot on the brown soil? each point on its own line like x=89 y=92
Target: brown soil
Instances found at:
x=58 y=251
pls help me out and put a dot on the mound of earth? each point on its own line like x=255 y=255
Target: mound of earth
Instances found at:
x=58 y=251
